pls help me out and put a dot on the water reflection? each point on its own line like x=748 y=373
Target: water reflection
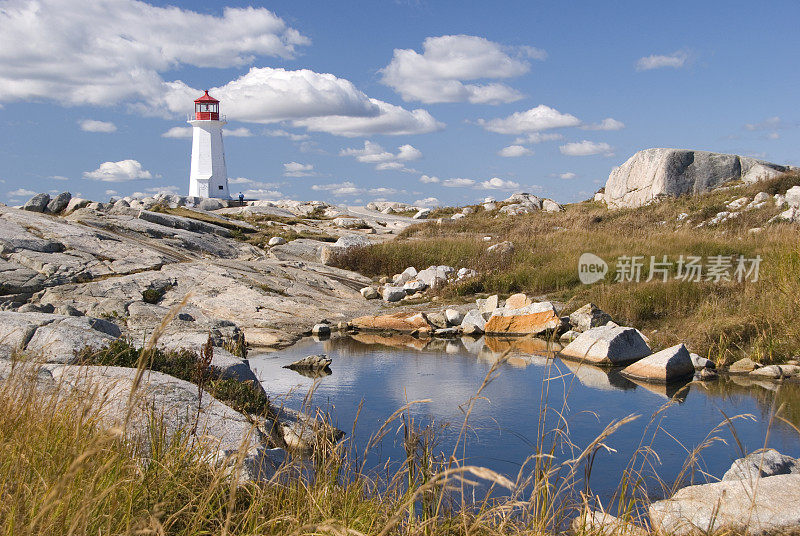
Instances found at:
x=386 y=372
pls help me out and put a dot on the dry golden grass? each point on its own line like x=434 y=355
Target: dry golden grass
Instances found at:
x=723 y=321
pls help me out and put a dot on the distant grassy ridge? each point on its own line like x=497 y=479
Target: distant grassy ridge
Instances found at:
x=724 y=321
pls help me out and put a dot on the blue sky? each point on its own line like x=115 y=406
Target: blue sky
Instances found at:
x=429 y=102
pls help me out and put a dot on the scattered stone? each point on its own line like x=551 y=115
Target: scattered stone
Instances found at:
x=453 y=317
x=435 y=276
x=489 y=304
x=59 y=203
x=548 y=205
x=76 y=203
x=467 y=211
x=393 y=294
x=608 y=345
x=792 y=196
x=490 y=206
x=349 y=223
x=465 y=273
x=501 y=248
x=422 y=214
x=762 y=463
x=438 y=320
x=701 y=362
x=744 y=365
x=407 y=275
x=68 y=310
x=708 y=374
x=473 y=322
x=312 y=363
x=446 y=332
x=276 y=241
x=589 y=316
x=530 y=320
x=404 y=322
x=415 y=286
x=37 y=203
x=321 y=330
x=776 y=372
x=517 y=301
x=457 y=216
x=768 y=505
x=667 y=366
x=211 y=204
x=370 y=293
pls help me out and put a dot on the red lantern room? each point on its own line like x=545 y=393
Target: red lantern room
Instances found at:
x=206 y=108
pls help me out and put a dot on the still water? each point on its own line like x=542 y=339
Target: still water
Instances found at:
x=386 y=372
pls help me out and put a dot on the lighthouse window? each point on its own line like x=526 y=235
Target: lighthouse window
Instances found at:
x=220 y=187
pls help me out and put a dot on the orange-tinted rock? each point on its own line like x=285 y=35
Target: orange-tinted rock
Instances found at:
x=393 y=322
x=533 y=319
x=517 y=301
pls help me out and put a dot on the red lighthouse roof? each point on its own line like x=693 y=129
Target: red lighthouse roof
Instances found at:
x=206 y=98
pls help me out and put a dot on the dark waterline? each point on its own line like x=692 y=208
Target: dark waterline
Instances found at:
x=387 y=372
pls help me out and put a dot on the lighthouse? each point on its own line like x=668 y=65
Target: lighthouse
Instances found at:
x=208 y=176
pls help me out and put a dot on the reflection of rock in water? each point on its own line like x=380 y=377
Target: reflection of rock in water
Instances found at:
x=473 y=345
x=747 y=381
x=677 y=391
x=594 y=377
x=396 y=340
x=522 y=345
x=314 y=373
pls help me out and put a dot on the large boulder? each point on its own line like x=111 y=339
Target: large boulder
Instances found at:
x=59 y=202
x=608 y=345
x=211 y=204
x=764 y=506
x=654 y=173
x=529 y=320
x=666 y=366
x=37 y=203
x=762 y=463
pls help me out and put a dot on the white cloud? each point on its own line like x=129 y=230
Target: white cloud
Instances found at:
x=388 y=119
x=567 y=175
x=771 y=123
x=458 y=183
x=122 y=171
x=105 y=51
x=427 y=202
x=262 y=193
x=240 y=132
x=496 y=183
x=514 y=151
x=586 y=148
x=437 y=75
x=427 y=179
x=75 y=53
x=56 y=178
x=608 y=123
x=340 y=189
x=21 y=192
x=538 y=137
x=91 y=125
x=280 y=133
x=773 y=136
x=178 y=132
x=534 y=120
x=153 y=190
x=374 y=153
x=675 y=60
x=383 y=191
x=296 y=169
x=111 y=192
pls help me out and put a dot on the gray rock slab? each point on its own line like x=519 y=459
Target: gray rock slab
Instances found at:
x=766 y=506
x=608 y=345
x=762 y=463
x=669 y=365
x=653 y=173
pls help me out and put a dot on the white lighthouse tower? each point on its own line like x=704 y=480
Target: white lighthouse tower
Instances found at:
x=208 y=176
